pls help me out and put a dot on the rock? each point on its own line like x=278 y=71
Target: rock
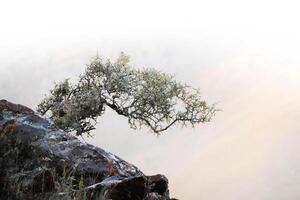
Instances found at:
x=154 y=196
x=15 y=108
x=159 y=184
x=40 y=161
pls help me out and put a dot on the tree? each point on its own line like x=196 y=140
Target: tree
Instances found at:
x=147 y=97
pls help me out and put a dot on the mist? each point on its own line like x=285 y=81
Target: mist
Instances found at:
x=244 y=58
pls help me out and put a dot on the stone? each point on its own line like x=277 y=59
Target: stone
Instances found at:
x=40 y=161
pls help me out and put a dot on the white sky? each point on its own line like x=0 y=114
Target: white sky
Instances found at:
x=243 y=54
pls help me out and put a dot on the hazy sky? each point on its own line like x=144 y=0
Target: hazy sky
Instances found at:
x=241 y=54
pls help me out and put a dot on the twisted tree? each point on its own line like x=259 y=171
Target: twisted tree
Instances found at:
x=147 y=97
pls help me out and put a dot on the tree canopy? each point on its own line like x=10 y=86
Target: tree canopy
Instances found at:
x=147 y=97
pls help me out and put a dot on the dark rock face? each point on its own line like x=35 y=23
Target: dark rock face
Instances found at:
x=39 y=161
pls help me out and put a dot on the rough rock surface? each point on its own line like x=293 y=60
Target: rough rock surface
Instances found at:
x=39 y=161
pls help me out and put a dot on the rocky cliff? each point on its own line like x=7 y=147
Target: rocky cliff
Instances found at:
x=39 y=161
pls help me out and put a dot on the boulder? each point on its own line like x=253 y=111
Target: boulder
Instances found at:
x=40 y=161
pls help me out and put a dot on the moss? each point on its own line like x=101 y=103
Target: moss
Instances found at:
x=60 y=122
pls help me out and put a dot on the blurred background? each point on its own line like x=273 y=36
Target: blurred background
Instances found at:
x=243 y=55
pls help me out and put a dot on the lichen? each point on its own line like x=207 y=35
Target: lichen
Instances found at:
x=6 y=115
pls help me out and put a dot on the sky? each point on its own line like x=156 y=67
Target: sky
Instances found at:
x=243 y=55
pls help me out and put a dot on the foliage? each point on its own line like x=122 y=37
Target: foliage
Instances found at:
x=147 y=97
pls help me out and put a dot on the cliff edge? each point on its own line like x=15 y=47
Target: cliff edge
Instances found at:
x=40 y=161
